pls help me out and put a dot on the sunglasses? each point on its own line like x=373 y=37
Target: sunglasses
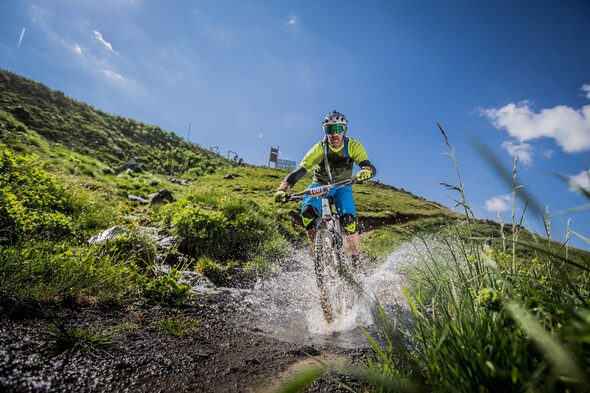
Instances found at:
x=331 y=129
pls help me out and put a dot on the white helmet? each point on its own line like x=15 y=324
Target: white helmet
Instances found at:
x=335 y=118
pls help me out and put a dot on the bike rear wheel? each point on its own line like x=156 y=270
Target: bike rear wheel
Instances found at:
x=330 y=261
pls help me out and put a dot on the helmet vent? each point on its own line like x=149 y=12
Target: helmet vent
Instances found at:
x=335 y=118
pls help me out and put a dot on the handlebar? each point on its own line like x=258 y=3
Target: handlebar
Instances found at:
x=319 y=190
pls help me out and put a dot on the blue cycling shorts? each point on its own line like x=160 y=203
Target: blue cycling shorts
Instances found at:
x=342 y=198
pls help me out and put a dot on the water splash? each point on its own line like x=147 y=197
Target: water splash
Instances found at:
x=285 y=305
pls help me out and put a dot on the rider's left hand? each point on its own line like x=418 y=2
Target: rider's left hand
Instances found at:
x=363 y=175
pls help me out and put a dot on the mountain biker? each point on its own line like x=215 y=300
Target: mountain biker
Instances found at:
x=332 y=160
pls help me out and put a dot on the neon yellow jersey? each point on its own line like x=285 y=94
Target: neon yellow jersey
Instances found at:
x=340 y=162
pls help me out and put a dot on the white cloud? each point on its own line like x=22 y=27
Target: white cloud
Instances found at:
x=499 y=203
x=570 y=128
x=22 y=34
x=581 y=180
x=113 y=76
x=586 y=89
x=125 y=84
x=548 y=153
x=85 y=58
x=106 y=44
x=291 y=21
x=522 y=150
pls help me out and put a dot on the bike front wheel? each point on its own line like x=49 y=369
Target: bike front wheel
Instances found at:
x=329 y=261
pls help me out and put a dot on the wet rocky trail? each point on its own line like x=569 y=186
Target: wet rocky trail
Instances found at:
x=249 y=339
x=224 y=356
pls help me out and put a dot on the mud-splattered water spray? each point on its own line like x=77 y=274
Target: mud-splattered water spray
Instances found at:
x=285 y=305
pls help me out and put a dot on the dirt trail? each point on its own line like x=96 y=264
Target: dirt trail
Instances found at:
x=250 y=339
x=224 y=356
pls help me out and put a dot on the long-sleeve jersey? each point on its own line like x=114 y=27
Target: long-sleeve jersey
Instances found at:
x=340 y=160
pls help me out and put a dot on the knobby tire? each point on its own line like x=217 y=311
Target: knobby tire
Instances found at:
x=330 y=261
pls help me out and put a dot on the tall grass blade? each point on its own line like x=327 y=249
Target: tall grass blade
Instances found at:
x=302 y=380
x=580 y=236
x=575 y=185
x=385 y=383
x=572 y=210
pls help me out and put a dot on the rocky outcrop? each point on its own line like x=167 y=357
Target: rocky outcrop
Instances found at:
x=133 y=166
x=161 y=197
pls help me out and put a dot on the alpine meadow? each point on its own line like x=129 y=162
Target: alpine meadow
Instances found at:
x=124 y=246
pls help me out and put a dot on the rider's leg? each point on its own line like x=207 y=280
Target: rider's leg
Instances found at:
x=353 y=243
x=347 y=212
x=311 y=236
x=348 y=222
x=309 y=213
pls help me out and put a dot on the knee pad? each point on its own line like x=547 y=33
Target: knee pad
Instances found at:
x=348 y=222
x=308 y=216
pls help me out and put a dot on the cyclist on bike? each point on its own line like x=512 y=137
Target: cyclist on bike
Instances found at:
x=332 y=160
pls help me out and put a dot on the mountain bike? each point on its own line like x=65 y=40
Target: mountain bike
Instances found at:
x=334 y=273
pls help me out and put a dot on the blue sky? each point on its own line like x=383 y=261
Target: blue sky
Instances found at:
x=248 y=75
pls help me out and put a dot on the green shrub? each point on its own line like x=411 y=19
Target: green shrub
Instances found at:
x=225 y=226
x=193 y=173
x=60 y=337
x=204 y=232
x=166 y=291
x=209 y=225
x=134 y=245
x=208 y=267
x=31 y=200
x=179 y=325
x=34 y=203
x=58 y=271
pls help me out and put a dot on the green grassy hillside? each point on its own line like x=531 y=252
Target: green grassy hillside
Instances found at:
x=60 y=183
x=74 y=138
x=55 y=144
x=29 y=109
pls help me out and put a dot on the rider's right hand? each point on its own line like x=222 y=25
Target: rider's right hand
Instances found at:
x=364 y=175
x=281 y=196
